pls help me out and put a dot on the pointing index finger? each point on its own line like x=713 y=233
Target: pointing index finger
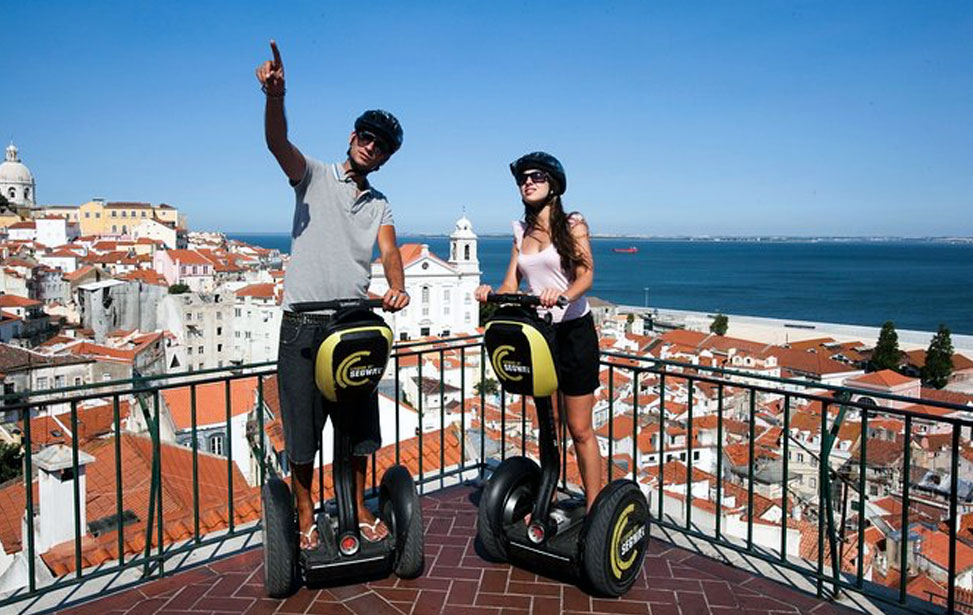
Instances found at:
x=277 y=60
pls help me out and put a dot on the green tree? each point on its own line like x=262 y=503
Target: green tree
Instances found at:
x=628 y=323
x=939 y=359
x=886 y=354
x=10 y=461
x=489 y=386
x=178 y=289
x=720 y=324
x=4 y=203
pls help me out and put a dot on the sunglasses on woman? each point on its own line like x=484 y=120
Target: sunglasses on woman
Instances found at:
x=538 y=177
x=365 y=138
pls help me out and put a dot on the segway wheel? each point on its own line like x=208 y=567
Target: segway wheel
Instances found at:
x=279 y=538
x=399 y=508
x=508 y=497
x=616 y=535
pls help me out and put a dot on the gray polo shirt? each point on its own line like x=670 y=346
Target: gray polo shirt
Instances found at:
x=333 y=235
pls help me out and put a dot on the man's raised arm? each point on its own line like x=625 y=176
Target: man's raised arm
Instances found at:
x=270 y=74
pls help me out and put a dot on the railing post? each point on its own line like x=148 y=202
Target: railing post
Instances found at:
x=462 y=410
x=195 y=443
x=862 y=498
x=662 y=441
x=76 y=484
x=785 y=479
x=953 y=521
x=904 y=550
x=611 y=421
x=690 y=385
x=119 y=506
x=29 y=489
x=260 y=427
x=719 y=461
x=229 y=454
x=750 y=471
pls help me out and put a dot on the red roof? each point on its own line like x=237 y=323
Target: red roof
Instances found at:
x=210 y=402
x=188 y=257
x=885 y=378
x=262 y=291
x=9 y=301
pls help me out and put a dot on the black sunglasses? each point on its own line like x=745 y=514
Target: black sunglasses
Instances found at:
x=538 y=177
x=365 y=137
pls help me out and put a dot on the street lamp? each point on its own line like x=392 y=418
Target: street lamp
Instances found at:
x=646 y=289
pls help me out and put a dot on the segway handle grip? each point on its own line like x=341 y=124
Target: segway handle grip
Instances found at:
x=522 y=300
x=337 y=304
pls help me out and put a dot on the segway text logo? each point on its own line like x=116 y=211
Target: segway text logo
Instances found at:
x=624 y=545
x=350 y=374
x=508 y=369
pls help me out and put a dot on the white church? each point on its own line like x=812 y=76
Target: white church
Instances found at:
x=16 y=182
x=441 y=291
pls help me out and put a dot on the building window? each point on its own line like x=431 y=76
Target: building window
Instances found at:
x=466 y=318
x=114 y=214
x=143 y=214
x=468 y=299
x=87 y=214
x=199 y=315
x=200 y=366
x=424 y=331
x=219 y=348
x=466 y=252
x=216 y=444
x=236 y=334
x=124 y=214
x=189 y=315
x=58 y=382
x=446 y=296
x=42 y=382
x=13 y=193
x=114 y=228
x=97 y=215
x=200 y=350
x=195 y=269
x=237 y=312
x=219 y=330
x=219 y=316
x=105 y=377
x=189 y=350
x=77 y=381
x=246 y=334
x=425 y=294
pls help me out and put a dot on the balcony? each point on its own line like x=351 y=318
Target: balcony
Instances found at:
x=169 y=470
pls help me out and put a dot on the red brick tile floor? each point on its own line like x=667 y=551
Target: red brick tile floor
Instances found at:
x=457 y=581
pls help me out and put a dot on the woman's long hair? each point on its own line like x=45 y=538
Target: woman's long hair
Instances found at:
x=561 y=237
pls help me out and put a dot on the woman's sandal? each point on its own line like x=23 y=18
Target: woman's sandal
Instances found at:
x=373 y=530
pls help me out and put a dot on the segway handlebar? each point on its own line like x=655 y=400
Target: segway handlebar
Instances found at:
x=337 y=304
x=522 y=300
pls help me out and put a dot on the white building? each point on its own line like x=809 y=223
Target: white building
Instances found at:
x=256 y=323
x=202 y=326
x=53 y=231
x=441 y=291
x=16 y=181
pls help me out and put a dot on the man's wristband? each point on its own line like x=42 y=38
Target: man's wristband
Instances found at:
x=263 y=88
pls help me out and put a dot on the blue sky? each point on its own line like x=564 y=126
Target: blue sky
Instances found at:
x=671 y=118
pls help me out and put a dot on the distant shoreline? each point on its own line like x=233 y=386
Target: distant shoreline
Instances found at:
x=700 y=238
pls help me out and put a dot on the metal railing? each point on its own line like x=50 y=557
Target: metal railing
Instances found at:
x=748 y=391
x=828 y=568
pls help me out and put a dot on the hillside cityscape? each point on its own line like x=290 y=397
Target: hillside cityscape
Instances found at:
x=108 y=291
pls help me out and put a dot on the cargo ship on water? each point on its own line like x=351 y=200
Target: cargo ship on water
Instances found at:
x=628 y=250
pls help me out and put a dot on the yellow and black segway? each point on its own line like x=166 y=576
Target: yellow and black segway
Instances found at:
x=349 y=364
x=605 y=548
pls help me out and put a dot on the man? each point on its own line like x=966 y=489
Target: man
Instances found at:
x=337 y=218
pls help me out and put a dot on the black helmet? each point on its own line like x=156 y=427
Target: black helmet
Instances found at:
x=384 y=125
x=542 y=161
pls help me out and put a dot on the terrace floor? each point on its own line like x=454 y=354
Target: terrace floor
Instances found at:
x=676 y=581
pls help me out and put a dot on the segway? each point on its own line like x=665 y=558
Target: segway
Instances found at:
x=348 y=365
x=604 y=549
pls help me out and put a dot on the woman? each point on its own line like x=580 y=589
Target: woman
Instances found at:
x=551 y=251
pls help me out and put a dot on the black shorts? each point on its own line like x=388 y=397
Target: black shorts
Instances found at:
x=577 y=355
x=304 y=409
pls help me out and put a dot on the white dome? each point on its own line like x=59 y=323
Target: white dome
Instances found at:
x=16 y=178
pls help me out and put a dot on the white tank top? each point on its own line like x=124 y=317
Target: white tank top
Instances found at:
x=543 y=270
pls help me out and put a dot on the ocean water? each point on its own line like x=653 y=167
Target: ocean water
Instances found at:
x=915 y=284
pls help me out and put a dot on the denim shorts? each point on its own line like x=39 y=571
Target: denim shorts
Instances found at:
x=304 y=409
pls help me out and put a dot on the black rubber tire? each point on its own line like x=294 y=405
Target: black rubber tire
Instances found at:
x=279 y=538
x=620 y=514
x=517 y=477
x=398 y=493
